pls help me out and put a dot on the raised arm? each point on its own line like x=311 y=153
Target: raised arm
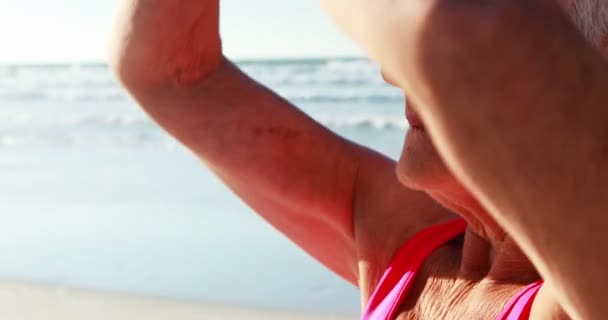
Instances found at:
x=515 y=100
x=330 y=196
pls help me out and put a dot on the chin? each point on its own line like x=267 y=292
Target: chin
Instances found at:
x=420 y=166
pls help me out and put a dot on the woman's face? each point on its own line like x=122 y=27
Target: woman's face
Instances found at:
x=420 y=167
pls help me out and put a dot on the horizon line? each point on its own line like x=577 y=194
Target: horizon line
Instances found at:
x=244 y=60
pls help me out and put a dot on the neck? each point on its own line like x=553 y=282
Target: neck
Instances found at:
x=488 y=252
x=496 y=260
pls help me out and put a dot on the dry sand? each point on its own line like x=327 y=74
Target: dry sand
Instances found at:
x=20 y=301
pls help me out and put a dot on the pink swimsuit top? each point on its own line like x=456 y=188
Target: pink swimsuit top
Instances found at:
x=399 y=276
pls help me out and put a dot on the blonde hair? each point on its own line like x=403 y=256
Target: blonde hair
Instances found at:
x=591 y=18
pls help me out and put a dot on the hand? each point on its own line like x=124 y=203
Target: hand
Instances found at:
x=156 y=41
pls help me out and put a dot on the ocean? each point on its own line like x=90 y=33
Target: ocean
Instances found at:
x=94 y=195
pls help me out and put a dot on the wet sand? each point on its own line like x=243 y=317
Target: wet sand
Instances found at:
x=37 y=302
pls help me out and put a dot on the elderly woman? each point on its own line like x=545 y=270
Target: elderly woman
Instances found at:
x=498 y=206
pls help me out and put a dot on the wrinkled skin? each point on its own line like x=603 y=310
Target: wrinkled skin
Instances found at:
x=513 y=97
x=510 y=99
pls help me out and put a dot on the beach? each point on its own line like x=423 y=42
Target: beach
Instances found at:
x=94 y=195
x=36 y=302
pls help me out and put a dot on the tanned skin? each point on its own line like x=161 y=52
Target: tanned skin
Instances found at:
x=339 y=201
x=514 y=99
x=513 y=141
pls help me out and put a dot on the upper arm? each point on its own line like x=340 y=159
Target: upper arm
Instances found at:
x=339 y=201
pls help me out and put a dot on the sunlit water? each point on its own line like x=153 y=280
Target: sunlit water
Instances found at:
x=93 y=194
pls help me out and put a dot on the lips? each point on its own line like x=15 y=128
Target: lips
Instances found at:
x=412 y=116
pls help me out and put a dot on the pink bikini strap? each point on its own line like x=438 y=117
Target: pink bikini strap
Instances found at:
x=520 y=305
x=400 y=274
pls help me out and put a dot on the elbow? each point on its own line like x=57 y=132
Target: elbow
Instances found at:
x=139 y=75
x=143 y=68
x=133 y=69
x=127 y=68
x=159 y=44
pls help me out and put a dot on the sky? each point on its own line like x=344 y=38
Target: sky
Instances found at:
x=39 y=31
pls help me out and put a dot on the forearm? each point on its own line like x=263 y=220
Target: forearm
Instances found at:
x=548 y=190
x=378 y=27
x=527 y=134
x=544 y=180
x=518 y=114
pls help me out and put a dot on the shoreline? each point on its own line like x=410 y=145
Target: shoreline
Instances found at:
x=27 y=301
